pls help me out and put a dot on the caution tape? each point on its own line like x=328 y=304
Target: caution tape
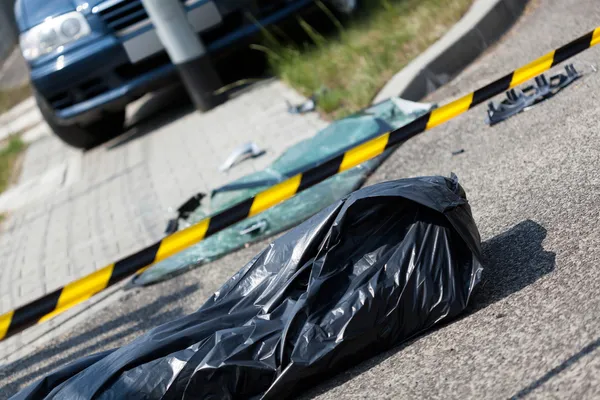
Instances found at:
x=78 y=291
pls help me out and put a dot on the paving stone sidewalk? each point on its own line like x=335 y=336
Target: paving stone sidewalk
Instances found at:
x=114 y=200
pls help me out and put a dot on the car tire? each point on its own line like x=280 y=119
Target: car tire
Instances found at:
x=83 y=136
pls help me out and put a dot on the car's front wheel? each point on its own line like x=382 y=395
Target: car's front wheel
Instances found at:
x=84 y=136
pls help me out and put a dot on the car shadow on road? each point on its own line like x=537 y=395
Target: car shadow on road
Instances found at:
x=169 y=104
x=512 y=261
x=156 y=110
x=90 y=341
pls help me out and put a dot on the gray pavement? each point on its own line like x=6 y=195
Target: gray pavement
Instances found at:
x=532 y=329
x=104 y=204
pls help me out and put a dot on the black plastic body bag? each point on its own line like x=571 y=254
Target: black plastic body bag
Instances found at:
x=365 y=274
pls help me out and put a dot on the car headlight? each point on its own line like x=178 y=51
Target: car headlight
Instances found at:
x=53 y=33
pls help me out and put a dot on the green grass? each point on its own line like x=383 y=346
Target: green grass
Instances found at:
x=355 y=64
x=9 y=155
x=11 y=97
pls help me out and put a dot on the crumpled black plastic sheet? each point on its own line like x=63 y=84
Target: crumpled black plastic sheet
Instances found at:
x=365 y=274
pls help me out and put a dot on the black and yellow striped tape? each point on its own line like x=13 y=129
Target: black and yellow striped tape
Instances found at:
x=82 y=289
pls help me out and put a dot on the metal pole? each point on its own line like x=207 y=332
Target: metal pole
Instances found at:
x=186 y=50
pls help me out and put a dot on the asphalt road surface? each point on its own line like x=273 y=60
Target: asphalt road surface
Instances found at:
x=532 y=330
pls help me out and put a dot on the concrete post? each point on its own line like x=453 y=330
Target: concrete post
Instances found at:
x=186 y=51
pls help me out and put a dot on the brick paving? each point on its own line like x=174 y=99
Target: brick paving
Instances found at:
x=114 y=199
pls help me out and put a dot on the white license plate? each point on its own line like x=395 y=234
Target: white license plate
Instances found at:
x=148 y=43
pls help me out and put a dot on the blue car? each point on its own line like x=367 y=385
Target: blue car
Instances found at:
x=90 y=58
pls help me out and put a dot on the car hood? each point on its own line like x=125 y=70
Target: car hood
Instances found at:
x=29 y=13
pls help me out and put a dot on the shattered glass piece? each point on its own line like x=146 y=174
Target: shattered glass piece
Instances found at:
x=332 y=140
x=247 y=150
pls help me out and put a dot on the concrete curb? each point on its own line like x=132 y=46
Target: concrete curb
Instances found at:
x=485 y=22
